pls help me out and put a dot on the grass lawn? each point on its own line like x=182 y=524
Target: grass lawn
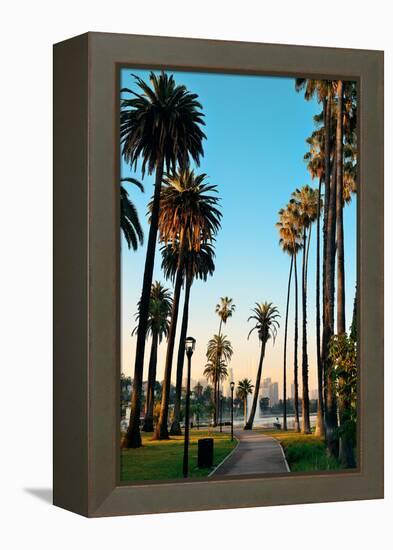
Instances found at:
x=164 y=459
x=304 y=453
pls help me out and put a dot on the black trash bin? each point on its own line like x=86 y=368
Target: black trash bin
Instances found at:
x=205 y=452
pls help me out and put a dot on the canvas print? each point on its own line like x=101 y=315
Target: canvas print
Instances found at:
x=238 y=222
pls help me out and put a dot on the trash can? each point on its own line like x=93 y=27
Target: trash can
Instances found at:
x=205 y=452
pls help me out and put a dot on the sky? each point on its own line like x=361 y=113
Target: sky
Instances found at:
x=256 y=128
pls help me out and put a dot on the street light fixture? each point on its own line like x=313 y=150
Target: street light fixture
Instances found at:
x=232 y=388
x=189 y=344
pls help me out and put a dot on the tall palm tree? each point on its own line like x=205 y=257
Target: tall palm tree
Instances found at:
x=219 y=353
x=129 y=220
x=219 y=350
x=316 y=166
x=266 y=317
x=342 y=184
x=325 y=92
x=291 y=247
x=329 y=312
x=289 y=233
x=188 y=218
x=224 y=309
x=213 y=370
x=346 y=177
x=160 y=125
x=197 y=265
x=160 y=308
x=339 y=212
x=244 y=389
x=305 y=202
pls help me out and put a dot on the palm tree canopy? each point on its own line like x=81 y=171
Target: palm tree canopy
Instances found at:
x=287 y=225
x=215 y=371
x=225 y=308
x=266 y=317
x=197 y=264
x=188 y=210
x=304 y=203
x=129 y=220
x=160 y=309
x=315 y=156
x=312 y=88
x=244 y=388
x=219 y=348
x=161 y=122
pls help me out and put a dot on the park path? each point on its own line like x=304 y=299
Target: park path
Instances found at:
x=255 y=453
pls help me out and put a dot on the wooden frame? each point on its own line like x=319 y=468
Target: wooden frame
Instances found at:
x=86 y=273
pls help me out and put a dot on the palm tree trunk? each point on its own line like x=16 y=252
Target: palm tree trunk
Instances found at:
x=305 y=395
x=217 y=412
x=320 y=426
x=245 y=410
x=218 y=398
x=250 y=420
x=339 y=215
x=215 y=402
x=327 y=123
x=346 y=454
x=285 y=427
x=151 y=382
x=175 y=427
x=132 y=438
x=295 y=374
x=328 y=329
x=161 y=431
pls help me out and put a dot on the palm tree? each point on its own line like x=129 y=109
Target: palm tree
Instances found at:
x=197 y=265
x=244 y=389
x=215 y=371
x=161 y=126
x=305 y=202
x=346 y=178
x=160 y=308
x=291 y=247
x=339 y=212
x=129 y=220
x=219 y=353
x=219 y=350
x=324 y=91
x=316 y=167
x=266 y=317
x=343 y=183
x=289 y=234
x=224 y=309
x=188 y=218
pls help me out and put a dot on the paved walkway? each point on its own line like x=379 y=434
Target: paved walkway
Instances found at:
x=255 y=454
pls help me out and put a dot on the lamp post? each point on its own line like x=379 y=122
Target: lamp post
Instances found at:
x=232 y=388
x=190 y=346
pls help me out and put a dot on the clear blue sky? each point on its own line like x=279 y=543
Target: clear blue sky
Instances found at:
x=256 y=129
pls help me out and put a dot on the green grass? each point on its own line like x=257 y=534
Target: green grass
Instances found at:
x=164 y=459
x=304 y=453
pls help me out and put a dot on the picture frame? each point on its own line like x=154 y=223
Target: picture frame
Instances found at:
x=86 y=274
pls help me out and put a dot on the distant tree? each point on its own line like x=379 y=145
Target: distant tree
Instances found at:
x=244 y=389
x=264 y=404
x=266 y=318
